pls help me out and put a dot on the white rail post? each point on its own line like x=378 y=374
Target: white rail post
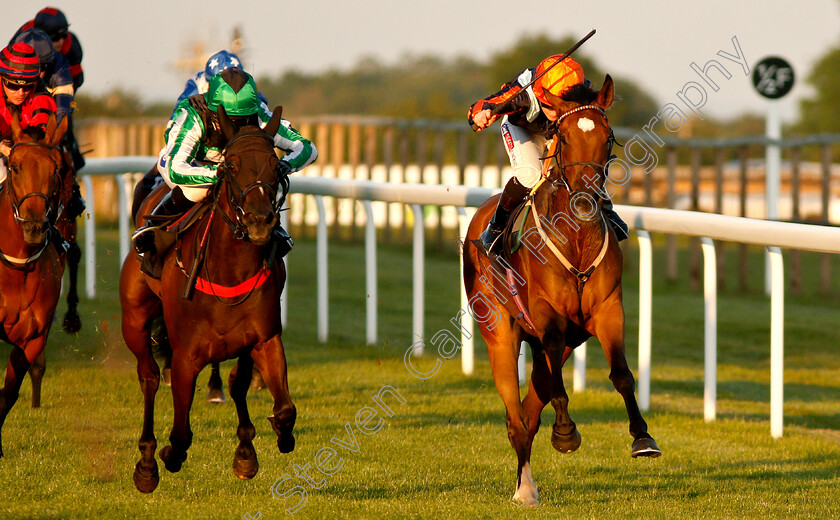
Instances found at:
x=323 y=287
x=90 y=238
x=710 y=329
x=467 y=344
x=777 y=343
x=645 y=316
x=284 y=296
x=124 y=191
x=520 y=365
x=579 y=384
x=418 y=270
x=370 y=273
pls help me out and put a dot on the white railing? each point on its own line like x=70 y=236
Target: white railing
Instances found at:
x=773 y=235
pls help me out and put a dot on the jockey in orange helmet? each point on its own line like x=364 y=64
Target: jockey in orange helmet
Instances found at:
x=528 y=126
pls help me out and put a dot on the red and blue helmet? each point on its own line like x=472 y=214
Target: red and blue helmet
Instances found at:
x=19 y=64
x=220 y=61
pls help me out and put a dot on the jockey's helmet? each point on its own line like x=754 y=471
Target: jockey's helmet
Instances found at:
x=220 y=61
x=19 y=64
x=559 y=78
x=40 y=41
x=235 y=90
x=53 y=22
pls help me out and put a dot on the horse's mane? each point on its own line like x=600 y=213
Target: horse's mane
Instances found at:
x=581 y=93
x=35 y=132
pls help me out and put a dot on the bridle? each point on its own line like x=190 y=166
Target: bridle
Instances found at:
x=556 y=153
x=55 y=186
x=236 y=194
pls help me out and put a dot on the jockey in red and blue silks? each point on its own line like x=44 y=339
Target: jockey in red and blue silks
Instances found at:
x=23 y=94
x=528 y=126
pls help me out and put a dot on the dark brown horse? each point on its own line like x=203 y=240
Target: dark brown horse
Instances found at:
x=215 y=325
x=215 y=394
x=30 y=268
x=560 y=287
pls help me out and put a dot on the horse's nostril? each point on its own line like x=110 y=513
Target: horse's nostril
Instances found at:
x=270 y=219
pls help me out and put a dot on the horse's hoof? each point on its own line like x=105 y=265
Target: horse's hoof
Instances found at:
x=245 y=465
x=645 y=447
x=72 y=323
x=565 y=442
x=526 y=500
x=216 y=396
x=257 y=382
x=171 y=462
x=167 y=376
x=146 y=479
x=286 y=442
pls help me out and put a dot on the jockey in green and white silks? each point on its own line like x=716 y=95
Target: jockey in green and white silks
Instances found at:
x=194 y=141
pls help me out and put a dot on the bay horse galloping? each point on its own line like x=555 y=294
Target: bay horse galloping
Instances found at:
x=30 y=268
x=561 y=286
x=233 y=314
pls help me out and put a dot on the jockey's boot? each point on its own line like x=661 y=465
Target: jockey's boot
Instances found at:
x=171 y=204
x=57 y=240
x=618 y=225
x=513 y=195
x=76 y=204
x=284 y=241
x=70 y=143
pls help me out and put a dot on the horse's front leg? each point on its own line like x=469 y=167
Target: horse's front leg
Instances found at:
x=245 y=464
x=270 y=360
x=36 y=375
x=72 y=320
x=185 y=371
x=609 y=328
x=15 y=372
x=503 y=351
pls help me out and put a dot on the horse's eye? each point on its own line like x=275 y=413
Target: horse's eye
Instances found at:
x=13 y=168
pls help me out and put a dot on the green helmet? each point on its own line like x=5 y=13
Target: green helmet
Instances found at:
x=235 y=90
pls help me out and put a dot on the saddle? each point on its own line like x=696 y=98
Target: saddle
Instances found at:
x=167 y=230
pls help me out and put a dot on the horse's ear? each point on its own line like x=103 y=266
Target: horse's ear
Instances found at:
x=274 y=123
x=225 y=123
x=15 y=128
x=50 y=128
x=606 y=94
x=56 y=132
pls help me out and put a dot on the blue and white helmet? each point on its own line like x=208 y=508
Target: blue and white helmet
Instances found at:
x=220 y=61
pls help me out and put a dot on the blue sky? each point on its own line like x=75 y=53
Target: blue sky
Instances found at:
x=134 y=44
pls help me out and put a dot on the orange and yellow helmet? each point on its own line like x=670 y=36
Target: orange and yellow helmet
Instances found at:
x=559 y=78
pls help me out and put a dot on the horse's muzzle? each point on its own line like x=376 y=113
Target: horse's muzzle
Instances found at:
x=35 y=232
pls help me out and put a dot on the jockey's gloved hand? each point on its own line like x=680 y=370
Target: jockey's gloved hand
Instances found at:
x=283 y=169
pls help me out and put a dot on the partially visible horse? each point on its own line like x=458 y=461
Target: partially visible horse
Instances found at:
x=561 y=286
x=67 y=226
x=234 y=313
x=30 y=268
